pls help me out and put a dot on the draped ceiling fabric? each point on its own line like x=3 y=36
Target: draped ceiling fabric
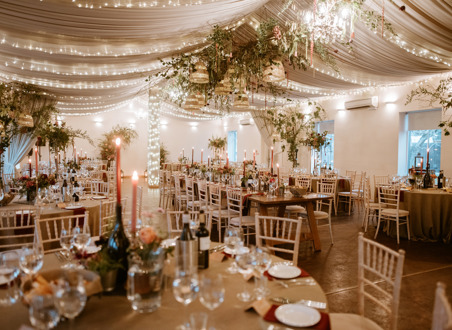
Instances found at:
x=96 y=55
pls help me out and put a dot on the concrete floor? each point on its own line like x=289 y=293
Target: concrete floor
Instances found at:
x=335 y=267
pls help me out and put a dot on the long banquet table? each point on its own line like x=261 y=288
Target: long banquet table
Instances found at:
x=114 y=311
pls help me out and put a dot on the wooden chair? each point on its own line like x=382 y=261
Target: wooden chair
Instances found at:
x=277 y=233
x=192 y=203
x=235 y=212
x=181 y=197
x=442 y=310
x=107 y=216
x=370 y=208
x=389 y=209
x=174 y=222
x=218 y=215
x=300 y=181
x=203 y=195
x=100 y=188
x=49 y=229
x=379 y=281
x=16 y=228
x=347 y=197
x=332 y=180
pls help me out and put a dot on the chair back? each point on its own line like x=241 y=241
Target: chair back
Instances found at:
x=17 y=228
x=49 y=229
x=99 y=187
x=379 y=277
x=442 y=310
x=107 y=215
x=283 y=233
x=175 y=224
x=234 y=198
x=381 y=180
x=215 y=196
x=329 y=189
x=189 y=187
x=389 y=197
x=203 y=194
x=303 y=181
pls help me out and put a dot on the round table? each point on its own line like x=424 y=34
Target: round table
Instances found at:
x=115 y=312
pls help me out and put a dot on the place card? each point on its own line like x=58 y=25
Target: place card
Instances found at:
x=218 y=256
x=261 y=307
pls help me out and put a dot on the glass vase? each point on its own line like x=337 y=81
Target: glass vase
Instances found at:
x=144 y=281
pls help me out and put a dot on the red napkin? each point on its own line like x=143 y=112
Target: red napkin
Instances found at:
x=323 y=324
x=303 y=274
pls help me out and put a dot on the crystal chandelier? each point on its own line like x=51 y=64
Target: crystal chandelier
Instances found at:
x=327 y=22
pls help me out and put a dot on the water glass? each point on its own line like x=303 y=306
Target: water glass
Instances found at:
x=43 y=313
x=198 y=321
x=31 y=259
x=185 y=287
x=245 y=263
x=261 y=263
x=233 y=238
x=9 y=271
x=70 y=296
x=81 y=237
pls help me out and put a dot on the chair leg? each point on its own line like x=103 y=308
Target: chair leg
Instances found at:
x=378 y=226
x=331 y=230
x=408 y=226
x=398 y=237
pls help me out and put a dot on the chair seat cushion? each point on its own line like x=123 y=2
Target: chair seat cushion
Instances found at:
x=221 y=213
x=195 y=203
x=347 y=194
x=319 y=215
x=352 y=322
x=393 y=212
x=246 y=221
x=295 y=208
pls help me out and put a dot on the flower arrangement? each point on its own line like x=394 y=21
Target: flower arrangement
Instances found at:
x=27 y=185
x=182 y=160
x=217 y=145
x=72 y=165
x=317 y=140
x=224 y=170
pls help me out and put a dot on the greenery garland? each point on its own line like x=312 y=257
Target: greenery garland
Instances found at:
x=107 y=143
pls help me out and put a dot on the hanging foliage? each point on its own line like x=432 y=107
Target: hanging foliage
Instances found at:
x=61 y=136
x=107 y=143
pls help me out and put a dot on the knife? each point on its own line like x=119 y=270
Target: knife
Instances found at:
x=309 y=303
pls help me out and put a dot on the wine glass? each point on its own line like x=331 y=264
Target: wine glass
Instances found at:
x=245 y=262
x=43 y=312
x=9 y=271
x=81 y=237
x=66 y=243
x=261 y=262
x=185 y=290
x=233 y=238
x=70 y=295
x=31 y=259
x=211 y=291
x=419 y=179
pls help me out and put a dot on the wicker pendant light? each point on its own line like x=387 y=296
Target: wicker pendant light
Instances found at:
x=192 y=103
x=274 y=72
x=241 y=102
x=25 y=120
x=199 y=74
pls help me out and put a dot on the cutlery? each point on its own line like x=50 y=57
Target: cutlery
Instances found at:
x=288 y=283
x=217 y=248
x=309 y=303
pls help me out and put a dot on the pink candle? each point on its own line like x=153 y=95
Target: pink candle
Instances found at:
x=75 y=154
x=277 y=172
x=271 y=167
x=118 y=171
x=254 y=158
x=36 y=160
x=244 y=169
x=29 y=165
x=428 y=152
x=183 y=153
x=208 y=161
x=86 y=155
x=227 y=162
x=244 y=154
x=77 y=159
x=192 y=154
x=134 y=201
x=202 y=152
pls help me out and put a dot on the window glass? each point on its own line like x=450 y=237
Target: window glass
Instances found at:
x=232 y=146
x=419 y=141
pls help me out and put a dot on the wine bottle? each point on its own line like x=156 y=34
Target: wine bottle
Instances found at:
x=117 y=246
x=73 y=175
x=203 y=242
x=440 y=179
x=186 y=234
x=63 y=190
x=427 y=178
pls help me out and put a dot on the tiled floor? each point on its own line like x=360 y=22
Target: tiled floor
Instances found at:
x=335 y=267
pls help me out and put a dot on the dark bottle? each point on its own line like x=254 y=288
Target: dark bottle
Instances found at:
x=440 y=179
x=428 y=182
x=64 y=189
x=186 y=234
x=73 y=175
x=76 y=185
x=117 y=246
x=203 y=242
x=76 y=198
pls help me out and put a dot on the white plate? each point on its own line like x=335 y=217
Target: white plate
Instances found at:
x=73 y=207
x=92 y=249
x=169 y=242
x=284 y=271
x=296 y=315
x=98 y=197
x=240 y=251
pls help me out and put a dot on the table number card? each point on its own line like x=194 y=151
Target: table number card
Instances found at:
x=261 y=307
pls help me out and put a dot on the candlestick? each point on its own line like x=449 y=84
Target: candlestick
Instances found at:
x=208 y=161
x=271 y=167
x=244 y=169
x=75 y=153
x=77 y=159
x=428 y=152
x=36 y=160
x=118 y=171
x=254 y=158
x=134 y=200
x=192 y=154
x=277 y=172
x=244 y=154
x=202 y=151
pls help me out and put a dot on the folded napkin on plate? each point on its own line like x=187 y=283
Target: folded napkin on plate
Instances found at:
x=323 y=324
x=303 y=274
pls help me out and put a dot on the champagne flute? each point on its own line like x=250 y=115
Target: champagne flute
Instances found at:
x=31 y=259
x=43 y=312
x=81 y=237
x=66 y=243
x=233 y=238
x=185 y=290
x=211 y=291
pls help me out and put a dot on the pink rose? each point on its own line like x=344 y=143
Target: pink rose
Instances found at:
x=147 y=235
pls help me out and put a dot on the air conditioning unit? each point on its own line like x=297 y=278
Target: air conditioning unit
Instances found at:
x=245 y=121
x=370 y=103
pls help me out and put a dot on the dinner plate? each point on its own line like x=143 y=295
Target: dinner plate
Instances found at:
x=240 y=251
x=92 y=249
x=99 y=197
x=296 y=315
x=169 y=242
x=73 y=207
x=284 y=271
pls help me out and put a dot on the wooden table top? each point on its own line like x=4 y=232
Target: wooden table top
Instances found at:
x=281 y=200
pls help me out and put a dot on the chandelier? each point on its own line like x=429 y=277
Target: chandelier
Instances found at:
x=328 y=20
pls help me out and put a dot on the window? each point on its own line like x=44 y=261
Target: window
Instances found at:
x=419 y=141
x=232 y=146
x=422 y=135
x=325 y=158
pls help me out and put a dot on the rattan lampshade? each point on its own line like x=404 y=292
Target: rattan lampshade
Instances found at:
x=199 y=74
x=274 y=72
x=241 y=102
x=194 y=102
x=25 y=120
